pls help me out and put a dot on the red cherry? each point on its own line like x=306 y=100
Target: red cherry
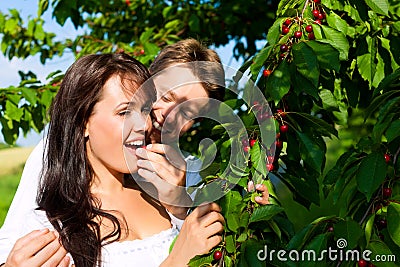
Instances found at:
x=128 y=2
x=321 y=16
x=387 y=192
x=311 y=36
x=285 y=30
x=315 y=13
x=278 y=144
x=267 y=72
x=217 y=255
x=252 y=142
x=284 y=48
x=288 y=22
x=270 y=167
x=284 y=128
x=309 y=28
x=282 y=56
x=298 y=34
x=362 y=263
x=141 y=52
x=317 y=1
x=270 y=159
x=317 y=21
x=330 y=229
x=371 y=264
x=281 y=113
x=246 y=149
x=387 y=158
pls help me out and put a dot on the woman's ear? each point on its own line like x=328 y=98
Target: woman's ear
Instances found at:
x=87 y=131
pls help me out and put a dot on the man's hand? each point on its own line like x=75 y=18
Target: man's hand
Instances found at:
x=164 y=167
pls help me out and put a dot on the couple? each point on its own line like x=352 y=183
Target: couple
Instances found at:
x=86 y=200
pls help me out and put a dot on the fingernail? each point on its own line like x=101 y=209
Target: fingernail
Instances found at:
x=258 y=186
x=45 y=230
x=139 y=151
x=258 y=198
x=149 y=146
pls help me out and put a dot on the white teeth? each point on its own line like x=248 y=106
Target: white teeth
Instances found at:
x=157 y=125
x=136 y=143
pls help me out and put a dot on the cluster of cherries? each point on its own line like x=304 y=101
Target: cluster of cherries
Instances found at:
x=364 y=263
x=318 y=17
x=283 y=129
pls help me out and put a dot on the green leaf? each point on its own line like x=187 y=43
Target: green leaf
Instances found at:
x=379 y=102
x=43 y=6
x=150 y=48
x=315 y=123
x=201 y=261
x=194 y=23
x=380 y=248
x=379 y=6
x=274 y=32
x=265 y=213
x=350 y=231
x=145 y=36
x=13 y=112
x=329 y=101
x=393 y=131
x=393 y=219
x=259 y=60
x=315 y=248
x=337 y=22
x=278 y=83
x=29 y=95
x=379 y=74
x=306 y=62
x=310 y=151
x=371 y=173
x=231 y=208
x=369 y=226
x=327 y=55
x=338 y=40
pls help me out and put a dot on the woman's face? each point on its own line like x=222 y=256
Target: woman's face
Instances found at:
x=117 y=127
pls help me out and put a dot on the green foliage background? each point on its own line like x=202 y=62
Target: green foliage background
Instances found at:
x=338 y=92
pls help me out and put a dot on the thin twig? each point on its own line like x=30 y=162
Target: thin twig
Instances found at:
x=304 y=8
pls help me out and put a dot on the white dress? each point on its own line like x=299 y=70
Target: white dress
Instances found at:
x=22 y=218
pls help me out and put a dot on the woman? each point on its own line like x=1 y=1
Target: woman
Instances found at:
x=102 y=218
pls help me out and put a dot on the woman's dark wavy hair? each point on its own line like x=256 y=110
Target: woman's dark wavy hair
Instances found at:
x=64 y=191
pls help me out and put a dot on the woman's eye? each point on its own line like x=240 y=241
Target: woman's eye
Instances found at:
x=124 y=112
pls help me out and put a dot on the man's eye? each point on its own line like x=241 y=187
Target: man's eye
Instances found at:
x=186 y=115
x=166 y=99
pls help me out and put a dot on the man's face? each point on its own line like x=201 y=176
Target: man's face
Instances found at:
x=180 y=97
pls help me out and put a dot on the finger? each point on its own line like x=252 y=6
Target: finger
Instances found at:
x=65 y=262
x=46 y=254
x=205 y=208
x=212 y=217
x=264 y=198
x=213 y=241
x=250 y=186
x=167 y=152
x=27 y=239
x=58 y=257
x=38 y=243
x=214 y=229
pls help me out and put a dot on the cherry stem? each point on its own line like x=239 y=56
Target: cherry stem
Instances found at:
x=304 y=8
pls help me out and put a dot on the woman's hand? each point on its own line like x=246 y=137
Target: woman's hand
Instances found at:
x=38 y=248
x=201 y=231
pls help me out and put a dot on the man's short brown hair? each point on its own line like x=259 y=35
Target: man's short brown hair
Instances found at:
x=191 y=50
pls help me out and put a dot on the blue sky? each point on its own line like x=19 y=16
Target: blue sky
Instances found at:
x=9 y=68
